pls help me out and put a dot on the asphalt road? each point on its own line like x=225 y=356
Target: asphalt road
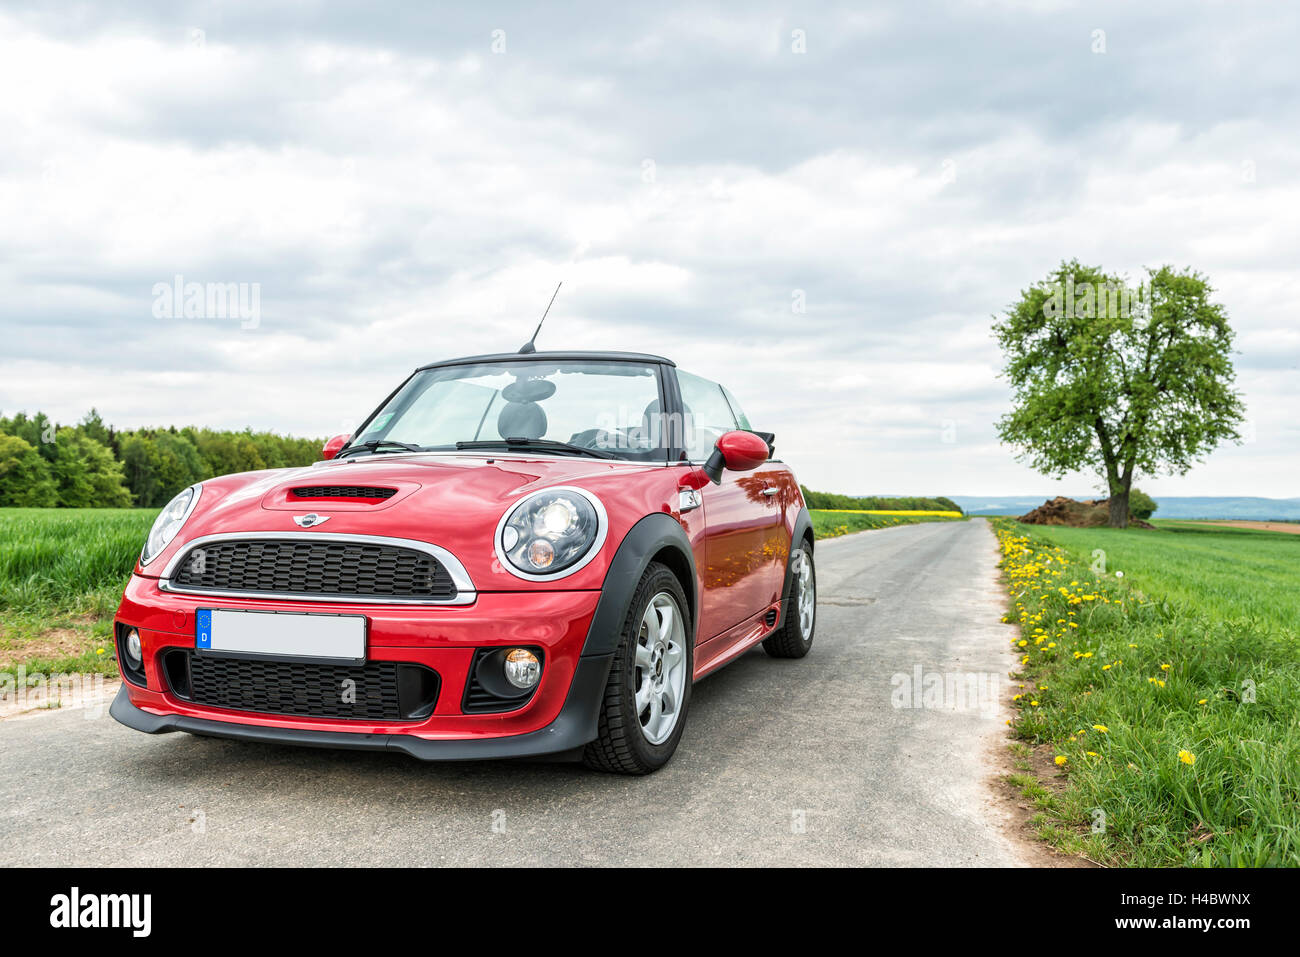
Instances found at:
x=783 y=762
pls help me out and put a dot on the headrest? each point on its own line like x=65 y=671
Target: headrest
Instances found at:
x=528 y=390
x=521 y=420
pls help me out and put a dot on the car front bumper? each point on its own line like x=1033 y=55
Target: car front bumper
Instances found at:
x=560 y=716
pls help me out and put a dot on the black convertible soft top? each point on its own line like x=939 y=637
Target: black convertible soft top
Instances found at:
x=547 y=356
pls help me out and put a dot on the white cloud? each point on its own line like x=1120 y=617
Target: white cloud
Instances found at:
x=403 y=194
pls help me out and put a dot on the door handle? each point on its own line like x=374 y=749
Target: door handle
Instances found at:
x=770 y=490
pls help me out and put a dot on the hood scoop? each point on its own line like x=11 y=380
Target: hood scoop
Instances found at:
x=340 y=497
x=333 y=493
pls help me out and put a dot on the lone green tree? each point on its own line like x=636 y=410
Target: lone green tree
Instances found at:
x=1119 y=380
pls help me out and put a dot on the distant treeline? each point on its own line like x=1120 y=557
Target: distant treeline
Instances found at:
x=835 y=500
x=91 y=465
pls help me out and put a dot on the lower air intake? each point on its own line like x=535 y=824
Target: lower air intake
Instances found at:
x=375 y=691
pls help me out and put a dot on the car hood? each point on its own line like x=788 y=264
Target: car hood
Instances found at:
x=454 y=500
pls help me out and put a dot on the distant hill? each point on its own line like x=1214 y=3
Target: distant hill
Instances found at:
x=1259 y=509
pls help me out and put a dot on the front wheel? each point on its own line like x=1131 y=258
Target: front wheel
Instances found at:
x=649 y=687
x=795 y=636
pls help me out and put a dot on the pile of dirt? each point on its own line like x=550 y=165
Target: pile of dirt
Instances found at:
x=1067 y=511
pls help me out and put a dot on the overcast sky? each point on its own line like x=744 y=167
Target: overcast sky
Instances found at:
x=407 y=183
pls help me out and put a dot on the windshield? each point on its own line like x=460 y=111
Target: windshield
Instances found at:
x=608 y=407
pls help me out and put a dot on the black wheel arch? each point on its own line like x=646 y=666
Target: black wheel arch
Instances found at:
x=803 y=532
x=658 y=537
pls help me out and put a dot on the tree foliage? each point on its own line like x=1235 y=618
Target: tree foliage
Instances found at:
x=1141 y=504
x=25 y=480
x=1118 y=380
x=835 y=500
x=86 y=473
x=92 y=465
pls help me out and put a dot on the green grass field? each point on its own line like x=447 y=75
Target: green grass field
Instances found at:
x=61 y=575
x=1169 y=698
x=1225 y=572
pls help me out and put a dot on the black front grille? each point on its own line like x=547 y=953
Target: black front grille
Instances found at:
x=375 y=691
x=320 y=568
x=344 y=491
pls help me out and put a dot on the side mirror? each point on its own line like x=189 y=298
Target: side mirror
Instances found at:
x=334 y=446
x=737 y=452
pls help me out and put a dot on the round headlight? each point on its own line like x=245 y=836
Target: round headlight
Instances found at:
x=552 y=533
x=169 y=522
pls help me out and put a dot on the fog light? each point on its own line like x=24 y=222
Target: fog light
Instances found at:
x=134 y=653
x=522 y=668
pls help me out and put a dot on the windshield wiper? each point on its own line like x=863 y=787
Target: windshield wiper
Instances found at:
x=377 y=444
x=539 y=444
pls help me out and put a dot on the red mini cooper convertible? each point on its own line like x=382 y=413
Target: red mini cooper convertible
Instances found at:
x=515 y=556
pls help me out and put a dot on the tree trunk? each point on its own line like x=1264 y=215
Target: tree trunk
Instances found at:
x=1118 y=509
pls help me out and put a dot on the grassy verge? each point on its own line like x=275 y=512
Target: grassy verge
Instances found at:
x=1168 y=698
x=828 y=523
x=61 y=575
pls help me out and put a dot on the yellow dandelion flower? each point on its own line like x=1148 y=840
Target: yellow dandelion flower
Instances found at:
x=1186 y=757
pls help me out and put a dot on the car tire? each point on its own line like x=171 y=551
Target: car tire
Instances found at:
x=794 y=637
x=654 y=662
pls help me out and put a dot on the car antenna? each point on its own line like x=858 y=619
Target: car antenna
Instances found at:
x=528 y=346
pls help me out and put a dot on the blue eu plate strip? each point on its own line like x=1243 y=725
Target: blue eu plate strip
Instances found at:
x=203 y=628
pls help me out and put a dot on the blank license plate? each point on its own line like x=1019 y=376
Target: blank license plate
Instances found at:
x=281 y=634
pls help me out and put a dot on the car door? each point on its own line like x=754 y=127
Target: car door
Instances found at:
x=744 y=542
